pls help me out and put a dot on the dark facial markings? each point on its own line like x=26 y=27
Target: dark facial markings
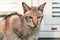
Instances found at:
x=30 y=17
x=38 y=17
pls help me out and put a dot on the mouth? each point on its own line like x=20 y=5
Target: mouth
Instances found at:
x=33 y=26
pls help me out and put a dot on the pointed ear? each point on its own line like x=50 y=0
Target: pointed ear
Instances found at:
x=41 y=7
x=25 y=7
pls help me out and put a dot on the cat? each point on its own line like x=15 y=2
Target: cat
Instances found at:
x=22 y=27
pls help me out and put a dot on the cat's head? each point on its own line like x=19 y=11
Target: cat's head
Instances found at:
x=33 y=15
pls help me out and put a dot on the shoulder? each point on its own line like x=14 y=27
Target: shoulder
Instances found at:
x=13 y=15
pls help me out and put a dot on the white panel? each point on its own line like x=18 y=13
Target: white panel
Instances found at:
x=56 y=10
x=35 y=2
x=49 y=35
x=7 y=0
x=51 y=18
x=48 y=28
x=20 y=8
x=8 y=5
x=28 y=2
x=42 y=1
x=56 y=5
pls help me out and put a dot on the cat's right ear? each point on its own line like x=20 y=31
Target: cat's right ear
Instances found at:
x=25 y=7
x=41 y=7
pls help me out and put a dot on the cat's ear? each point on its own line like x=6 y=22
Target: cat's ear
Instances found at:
x=25 y=7
x=41 y=7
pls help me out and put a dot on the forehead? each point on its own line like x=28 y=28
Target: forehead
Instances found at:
x=34 y=12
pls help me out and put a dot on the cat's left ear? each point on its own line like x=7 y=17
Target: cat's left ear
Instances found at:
x=41 y=7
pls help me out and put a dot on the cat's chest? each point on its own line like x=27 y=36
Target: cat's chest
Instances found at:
x=30 y=32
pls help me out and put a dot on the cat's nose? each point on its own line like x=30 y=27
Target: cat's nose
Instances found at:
x=35 y=23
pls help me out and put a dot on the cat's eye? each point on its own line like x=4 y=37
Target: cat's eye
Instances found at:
x=38 y=17
x=30 y=17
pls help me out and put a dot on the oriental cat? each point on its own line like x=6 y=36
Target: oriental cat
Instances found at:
x=22 y=27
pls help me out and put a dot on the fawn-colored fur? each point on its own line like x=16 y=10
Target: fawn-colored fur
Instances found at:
x=22 y=27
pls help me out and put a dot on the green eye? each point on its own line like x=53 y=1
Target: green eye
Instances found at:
x=38 y=17
x=30 y=17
